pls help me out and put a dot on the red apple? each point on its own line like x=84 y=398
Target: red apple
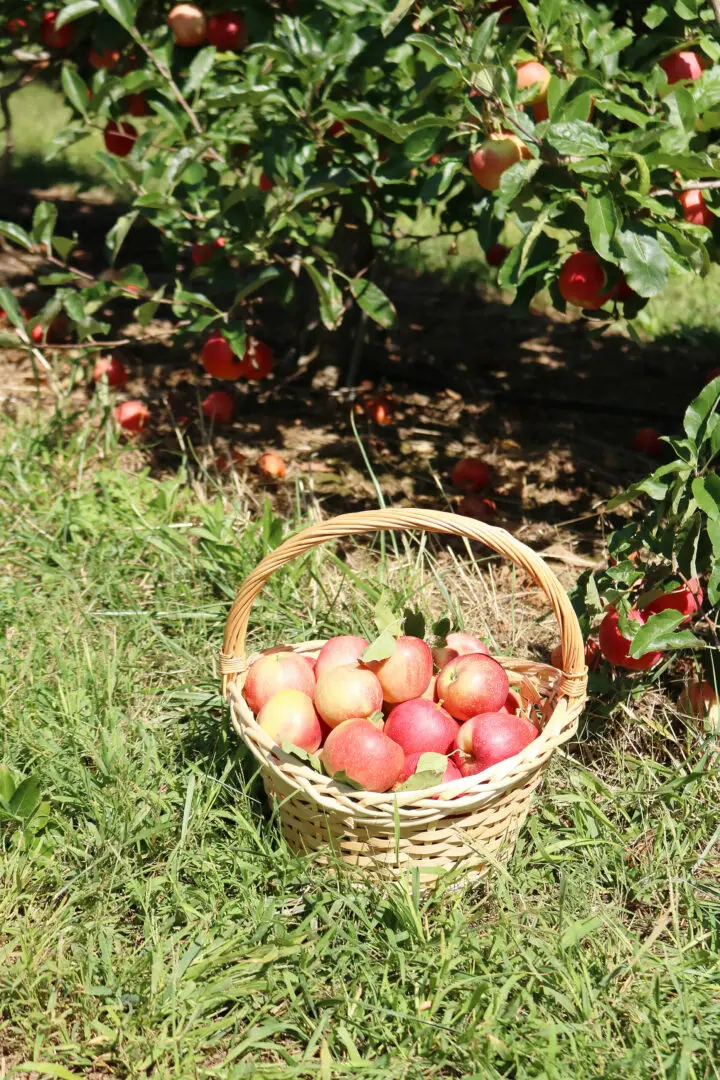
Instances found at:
x=227 y=31
x=496 y=254
x=132 y=415
x=188 y=24
x=273 y=672
x=265 y=183
x=472 y=684
x=16 y=27
x=470 y=474
x=712 y=374
x=431 y=691
x=105 y=60
x=681 y=66
x=218 y=407
x=694 y=208
x=687 y=599
x=257 y=362
x=443 y=656
x=55 y=39
x=410 y=766
x=497 y=153
x=583 y=281
x=497 y=736
x=647 y=441
x=202 y=253
x=616 y=648
x=136 y=105
x=364 y=753
x=534 y=74
x=421 y=726
x=271 y=466
x=119 y=138
x=112 y=369
x=218 y=359
x=475 y=506
x=289 y=716
x=407 y=672
x=346 y=692
x=466 y=643
x=339 y=651
x=593 y=656
x=700 y=699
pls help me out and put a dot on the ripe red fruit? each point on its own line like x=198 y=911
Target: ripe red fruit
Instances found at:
x=16 y=27
x=336 y=129
x=265 y=183
x=593 y=656
x=257 y=362
x=407 y=672
x=421 y=726
x=713 y=373
x=624 y=292
x=694 y=208
x=345 y=692
x=271 y=466
x=119 y=138
x=188 y=24
x=476 y=507
x=380 y=410
x=105 y=60
x=472 y=684
x=496 y=254
x=497 y=153
x=56 y=39
x=410 y=768
x=218 y=407
x=289 y=716
x=683 y=65
x=227 y=31
x=470 y=474
x=700 y=699
x=687 y=599
x=223 y=462
x=113 y=369
x=364 y=753
x=583 y=281
x=218 y=359
x=338 y=651
x=136 y=105
x=273 y=672
x=466 y=643
x=647 y=441
x=201 y=253
x=132 y=415
x=616 y=648
x=497 y=736
x=534 y=74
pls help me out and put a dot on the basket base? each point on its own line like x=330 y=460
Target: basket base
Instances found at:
x=469 y=841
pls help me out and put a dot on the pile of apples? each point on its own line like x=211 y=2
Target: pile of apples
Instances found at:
x=433 y=714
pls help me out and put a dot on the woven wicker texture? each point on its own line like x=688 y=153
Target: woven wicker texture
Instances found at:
x=469 y=822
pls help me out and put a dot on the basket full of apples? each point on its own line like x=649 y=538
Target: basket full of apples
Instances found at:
x=396 y=755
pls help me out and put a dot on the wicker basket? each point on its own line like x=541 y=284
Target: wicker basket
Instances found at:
x=471 y=822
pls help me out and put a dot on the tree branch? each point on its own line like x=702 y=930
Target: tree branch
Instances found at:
x=716 y=9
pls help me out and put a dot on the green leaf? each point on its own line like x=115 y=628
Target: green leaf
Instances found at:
x=304 y=755
x=395 y=17
x=43 y=224
x=16 y=234
x=123 y=11
x=483 y=36
x=329 y=296
x=343 y=778
x=115 y=238
x=199 y=68
x=10 y=306
x=644 y=262
x=145 y=313
x=25 y=798
x=413 y=624
x=380 y=649
x=75 y=89
x=603 y=221
x=429 y=773
x=660 y=634
x=577 y=138
x=655 y=15
x=74 y=11
x=446 y=54
x=374 y=301
x=706 y=490
x=385 y=618
x=579 y=930
x=46 y=1068
x=255 y=281
x=63 y=245
x=698 y=410
x=7 y=785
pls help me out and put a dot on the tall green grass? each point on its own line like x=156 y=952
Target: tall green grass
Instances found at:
x=153 y=923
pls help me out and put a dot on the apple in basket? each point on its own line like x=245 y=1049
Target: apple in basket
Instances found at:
x=421 y=726
x=275 y=671
x=410 y=767
x=492 y=737
x=290 y=716
x=363 y=753
x=345 y=649
x=466 y=643
x=406 y=673
x=347 y=692
x=472 y=684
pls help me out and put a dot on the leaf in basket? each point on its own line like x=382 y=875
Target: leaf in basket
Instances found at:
x=441 y=629
x=429 y=773
x=413 y=623
x=385 y=619
x=379 y=649
x=343 y=778
x=304 y=755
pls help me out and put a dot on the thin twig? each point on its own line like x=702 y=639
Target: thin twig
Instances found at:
x=716 y=9
x=692 y=185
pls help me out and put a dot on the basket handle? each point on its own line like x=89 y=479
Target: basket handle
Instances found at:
x=574 y=675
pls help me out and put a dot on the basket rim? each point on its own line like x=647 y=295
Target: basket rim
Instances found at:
x=446 y=798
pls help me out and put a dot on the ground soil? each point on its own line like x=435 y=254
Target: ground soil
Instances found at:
x=550 y=402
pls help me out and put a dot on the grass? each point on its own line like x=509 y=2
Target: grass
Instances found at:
x=153 y=922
